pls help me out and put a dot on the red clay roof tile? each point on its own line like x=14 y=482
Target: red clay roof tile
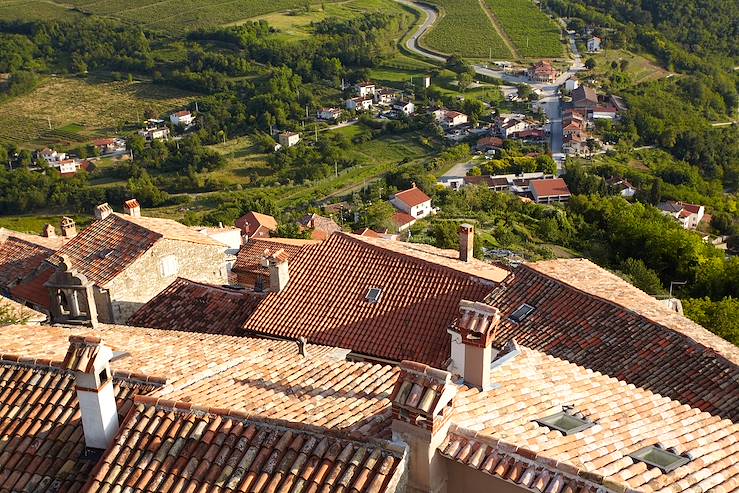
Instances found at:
x=413 y=196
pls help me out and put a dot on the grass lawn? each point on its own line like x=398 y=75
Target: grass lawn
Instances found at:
x=640 y=68
x=34 y=224
x=245 y=163
x=79 y=110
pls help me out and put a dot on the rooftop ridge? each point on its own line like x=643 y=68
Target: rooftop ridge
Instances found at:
x=733 y=352
x=157 y=225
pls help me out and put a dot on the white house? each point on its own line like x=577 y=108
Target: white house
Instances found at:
x=571 y=84
x=52 y=157
x=365 y=89
x=154 y=130
x=361 y=103
x=413 y=202
x=385 y=96
x=449 y=118
x=510 y=126
x=406 y=107
x=288 y=139
x=594 y=44
x=182 y=118
x=329 y=114
x=622 y=186
x=688 y=215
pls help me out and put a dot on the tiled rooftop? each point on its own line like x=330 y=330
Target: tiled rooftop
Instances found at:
x=32 y=289
x=249 y=261
x=533 y=385
x=20 y=254
x=218 y=452
x=325 y=300
x=616 y=329
x=414 y=196
x=195 y=307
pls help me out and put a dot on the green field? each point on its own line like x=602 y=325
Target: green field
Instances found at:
x=532 y=32
x=29 y=10
x=464 y=29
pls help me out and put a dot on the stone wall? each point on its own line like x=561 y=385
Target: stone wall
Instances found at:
x=144 y=279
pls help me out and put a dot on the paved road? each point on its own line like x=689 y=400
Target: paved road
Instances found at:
x=412 y=42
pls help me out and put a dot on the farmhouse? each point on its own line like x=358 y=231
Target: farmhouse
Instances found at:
x=181 y=118
x=405 y=107
x=111 y=145
x=543 y=71
x=621 y=186
x=386 y=96
x=256 y=225
x=154 y=130
x=593 y=44
x=549 y=190
x=360 y=103
x=329 y=114
x=288 y=139
x=449 y=118
x=365 y=89
x=413 y=202
x=688 y=215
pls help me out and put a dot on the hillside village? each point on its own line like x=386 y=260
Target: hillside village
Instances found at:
x=158 y=355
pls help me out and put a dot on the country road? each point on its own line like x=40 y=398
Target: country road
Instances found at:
x=412 y=43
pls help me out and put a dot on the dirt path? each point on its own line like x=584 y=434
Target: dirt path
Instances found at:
x=499 y=29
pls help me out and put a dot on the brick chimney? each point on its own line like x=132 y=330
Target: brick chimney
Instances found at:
x=102 y=211
x=49 y=231
x=69 y=229
x=466 y=242
x=472 y=341
x=422 y=405
x=132 y=208
x=279 y=273
x=89 y=359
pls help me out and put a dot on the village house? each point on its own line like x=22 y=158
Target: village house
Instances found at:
x=413 y=202
x=110 y=145
x=575 y=142
x=494 y=183
x=688 y=215
x=489 y=143
x=403 y=221
x=22 y=253
x=329 y=114
x=320 y=227
x=507 y=126
x=621 y=186
x=118 y=263
x=584 y=98
x=571 y=84
x=385 y=96
x=288 y=139
x=543 y=71
x=404 y=107
x=449 y=118
x=182 y=118
x=154 y=130
x=250 y=267
x=256 y=225
x=548 y=191
x=360 y=103
x=593 y=44
x=365 y=89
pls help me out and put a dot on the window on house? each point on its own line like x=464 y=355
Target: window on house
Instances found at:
x=374 y=294
x=169 y=266
x=103 y=376
x=522 y=313
x=658 y=457
x=565 y=423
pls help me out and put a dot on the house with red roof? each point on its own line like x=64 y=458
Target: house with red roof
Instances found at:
x=543 y=71
x=688 y=215
x=413 y=202
x=256 y=225
x=548 y=191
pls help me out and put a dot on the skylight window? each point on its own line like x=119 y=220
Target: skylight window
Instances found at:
x=565 y=423
x=522 y=313
x=658 y=457
x=374 y=294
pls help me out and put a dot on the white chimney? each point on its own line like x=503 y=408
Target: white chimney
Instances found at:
x=466 y=242
x=472 y=351
x=89 y=359
x=102 y=211
x=69 y=229
x=132 y=208
x=49 y=231
x=279 y=274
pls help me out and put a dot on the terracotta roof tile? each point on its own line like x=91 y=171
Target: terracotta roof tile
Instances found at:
x=533 y=385
x=325 y=299
x=19 y=256
x=252 y=455
x=252 y=221
x=321 y=227
x=414 y=196
x=249 y=259
x=550 y=187
x=400 y=219
x=196 y=307
x=32 y=289
x=593 y=318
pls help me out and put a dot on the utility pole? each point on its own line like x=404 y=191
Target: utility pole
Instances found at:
x=49 y=120
x=336 y=168
x=315 y=126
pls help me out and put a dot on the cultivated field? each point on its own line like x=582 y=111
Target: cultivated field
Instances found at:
x=464 y=29
x=11 y=10
x=532 y=32
x=79 y=110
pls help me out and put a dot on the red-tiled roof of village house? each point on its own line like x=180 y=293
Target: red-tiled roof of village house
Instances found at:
x=220 y=451
x=32 y=288
x=400 y=219
x=249 y=260
x=325 y=299
x=252 y=221
x=320 y=227
x=196 y=307
x=412 y=197
x=590 y=317
x=549 y=188
x=19 y=255
x=369 y=232
x=496 y=432
x=107 y=247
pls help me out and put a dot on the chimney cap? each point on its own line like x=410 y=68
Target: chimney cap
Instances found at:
x=466 y=227
x=131 y=204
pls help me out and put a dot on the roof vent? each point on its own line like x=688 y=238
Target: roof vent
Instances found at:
x=565 y=423
x=522 y=313
x=658 y=457
x=373 y=295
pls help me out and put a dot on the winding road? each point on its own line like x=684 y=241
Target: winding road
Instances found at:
x=549 y=100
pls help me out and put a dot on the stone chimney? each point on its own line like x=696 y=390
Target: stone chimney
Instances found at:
x=279 y=274
x=69 y=229
x=71 y=296
x=132 y=208
x=466 y=242
x=49 y=231
x=89 y=359
x=102 y=211
x=422 y=405
x=472 y=341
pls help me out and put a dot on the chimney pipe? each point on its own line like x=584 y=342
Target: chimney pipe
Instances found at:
x=69 y=229
x=279 y=273
x=466 y=242
x=132 y=208
x=102 y=211
x=49 y=231
x=89 y=359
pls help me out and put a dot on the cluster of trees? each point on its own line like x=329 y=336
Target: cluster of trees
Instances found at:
x=517 y=165
x=312 y=161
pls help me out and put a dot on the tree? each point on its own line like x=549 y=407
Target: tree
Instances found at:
x=720 y=317
x=379 y=216
x=644 y=278
x=624 y=65
x=446 y=234
x=655 y=193
x=590 y=63
x=464 y=80
x=9 y=317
